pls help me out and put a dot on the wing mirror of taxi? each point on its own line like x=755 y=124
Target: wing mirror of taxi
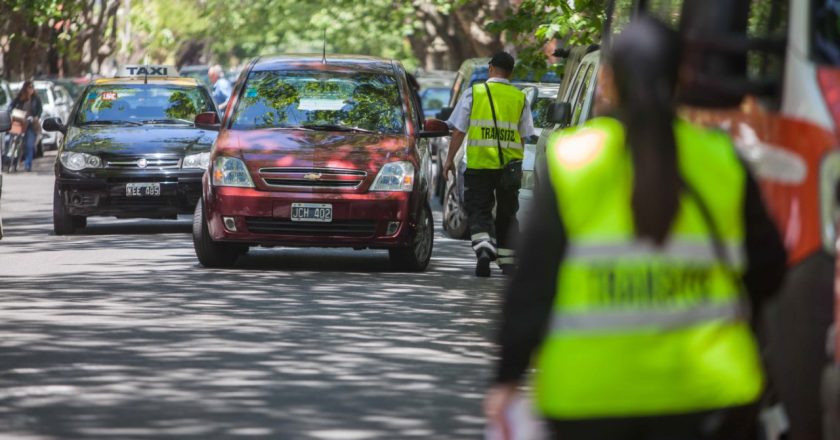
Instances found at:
x=5 y=122
x=560 y=113
x=433 y=128
x=207 y=121
x=445 y=113
x=54 y=124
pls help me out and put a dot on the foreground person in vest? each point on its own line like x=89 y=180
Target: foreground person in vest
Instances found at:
x=628 y=298
x=495 y=119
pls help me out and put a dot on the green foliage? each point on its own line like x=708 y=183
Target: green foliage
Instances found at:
x=537 y=22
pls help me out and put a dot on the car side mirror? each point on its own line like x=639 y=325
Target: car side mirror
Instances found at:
x=560 y=113
x=5 y=121
x=444 y=113
x=207 y=121
x=54 y=124
x=433 y=128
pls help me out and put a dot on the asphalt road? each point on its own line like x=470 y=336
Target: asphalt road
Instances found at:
x=117 y=333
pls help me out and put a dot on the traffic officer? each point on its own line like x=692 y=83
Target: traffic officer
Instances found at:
x=628 y=297
x=495 y=119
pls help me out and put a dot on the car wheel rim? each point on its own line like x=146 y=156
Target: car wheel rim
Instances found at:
x=422 y=244
x=453 y=212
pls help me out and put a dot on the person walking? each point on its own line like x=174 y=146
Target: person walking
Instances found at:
x=495 y=119
x=28 y=101
x=221 y=86
x=645 y=243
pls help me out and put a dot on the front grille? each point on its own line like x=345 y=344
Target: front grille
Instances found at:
x=155 y=163
x=351 y=228
x=313 y=177
x=141 y=202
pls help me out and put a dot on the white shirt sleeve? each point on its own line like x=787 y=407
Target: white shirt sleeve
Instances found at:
x=460 y=117
x=526 y=123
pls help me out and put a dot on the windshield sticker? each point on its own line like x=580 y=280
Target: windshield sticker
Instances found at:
x=109 y=96
x=321 y=104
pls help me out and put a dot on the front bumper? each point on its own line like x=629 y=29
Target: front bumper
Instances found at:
x=103 y=192
x=264 y=218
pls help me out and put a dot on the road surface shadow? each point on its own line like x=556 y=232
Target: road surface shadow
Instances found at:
x=221 y=354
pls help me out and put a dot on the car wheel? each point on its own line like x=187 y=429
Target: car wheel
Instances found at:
x=454 y=216
x=440 y=183
x=209 y=252
x=63 y=222
x=416 y=256
x=39 y=150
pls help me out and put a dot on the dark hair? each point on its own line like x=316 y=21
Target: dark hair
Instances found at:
x=26 y=84
x=645 y=61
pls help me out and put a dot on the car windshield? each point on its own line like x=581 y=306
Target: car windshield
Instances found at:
x=143 y=103
x=313 y=99
x=827 y=31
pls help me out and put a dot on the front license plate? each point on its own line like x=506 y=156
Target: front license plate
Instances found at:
x=142 y=190
x=311 y=212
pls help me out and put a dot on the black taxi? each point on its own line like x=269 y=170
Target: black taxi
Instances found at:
x=132 y=148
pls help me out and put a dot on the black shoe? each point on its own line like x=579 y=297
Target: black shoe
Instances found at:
x=482 y=267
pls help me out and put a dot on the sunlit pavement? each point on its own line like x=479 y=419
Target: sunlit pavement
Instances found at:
x=117 y=333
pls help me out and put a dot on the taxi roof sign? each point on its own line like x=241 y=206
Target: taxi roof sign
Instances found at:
x=146 y=71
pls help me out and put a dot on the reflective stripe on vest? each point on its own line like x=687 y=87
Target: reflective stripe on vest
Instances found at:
x=651 y=319
x=482 y=134
x=637 y=329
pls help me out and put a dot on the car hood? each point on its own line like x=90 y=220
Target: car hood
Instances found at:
x=315 y=149
x=122 y=140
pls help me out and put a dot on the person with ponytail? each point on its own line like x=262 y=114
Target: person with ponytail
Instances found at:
x=640 y=257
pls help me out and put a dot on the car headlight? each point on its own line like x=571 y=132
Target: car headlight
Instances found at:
x=200 y=160
x=79 y=161
x=230 y=171
x=395 y=176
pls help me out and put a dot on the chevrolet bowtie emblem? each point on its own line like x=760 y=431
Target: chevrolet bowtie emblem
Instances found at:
x=312 y=176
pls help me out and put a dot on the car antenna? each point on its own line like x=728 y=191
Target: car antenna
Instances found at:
x=324 y=56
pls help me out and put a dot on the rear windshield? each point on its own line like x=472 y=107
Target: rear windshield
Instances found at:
x=143 y=103
x=272 y=99
x=827 y=31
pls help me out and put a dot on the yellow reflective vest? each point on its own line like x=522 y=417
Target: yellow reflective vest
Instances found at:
x=482 y=145
x=637 y=329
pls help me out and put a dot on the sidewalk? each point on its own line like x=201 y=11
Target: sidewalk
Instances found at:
x=46 y=164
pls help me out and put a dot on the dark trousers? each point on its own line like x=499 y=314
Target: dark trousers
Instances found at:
x=482 y=191
x=736 y=423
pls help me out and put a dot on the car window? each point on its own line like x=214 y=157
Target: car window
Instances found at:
x=277 y=98
x=826 y=22
x=539 y=110
x=143 y=102
x=45 y=95
x=583 y=94
x=434 y=98
x=575 y=85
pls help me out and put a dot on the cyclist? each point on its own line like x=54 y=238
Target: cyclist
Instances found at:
x=28 y=101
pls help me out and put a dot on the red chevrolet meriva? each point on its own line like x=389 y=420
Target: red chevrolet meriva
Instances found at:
x=312 y=151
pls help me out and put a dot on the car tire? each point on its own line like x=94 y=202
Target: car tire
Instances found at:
x=63 y=222
x=440 y=182
x=39 y=150
x=211 y=253
x=454 y=217
x=416 y=256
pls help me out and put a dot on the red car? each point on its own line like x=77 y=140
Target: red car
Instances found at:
x=325 y=152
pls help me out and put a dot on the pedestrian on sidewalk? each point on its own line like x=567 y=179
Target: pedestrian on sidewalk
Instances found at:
x=28 y=101
x=495 y=119
x=632 y=293
x=221 y=87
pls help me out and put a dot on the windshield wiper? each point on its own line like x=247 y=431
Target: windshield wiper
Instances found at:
x=111 y=122
x=168 y=121
x=335 y=127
